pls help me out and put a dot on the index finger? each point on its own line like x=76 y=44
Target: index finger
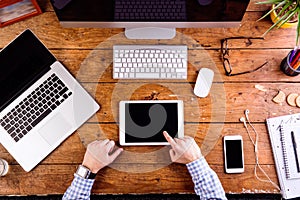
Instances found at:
x=169 y=139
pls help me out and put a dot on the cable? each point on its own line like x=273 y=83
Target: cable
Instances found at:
x=255 y=144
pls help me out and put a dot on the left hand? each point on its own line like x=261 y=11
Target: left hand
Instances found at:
x=100 y=154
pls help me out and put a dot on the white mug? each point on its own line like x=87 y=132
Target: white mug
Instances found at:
x=3 y=167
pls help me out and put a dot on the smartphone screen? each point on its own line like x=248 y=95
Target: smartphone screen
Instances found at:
x=233 y=152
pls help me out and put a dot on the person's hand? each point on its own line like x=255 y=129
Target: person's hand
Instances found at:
x=184 y=150
x=100 y=154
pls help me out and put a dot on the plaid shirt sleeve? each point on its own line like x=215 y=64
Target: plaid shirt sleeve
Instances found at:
x=207 y=183
x=79 y=189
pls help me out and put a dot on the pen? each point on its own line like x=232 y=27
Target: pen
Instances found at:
x=295 y=58
x=295 y=150
x=297 y=65
x=293 y=53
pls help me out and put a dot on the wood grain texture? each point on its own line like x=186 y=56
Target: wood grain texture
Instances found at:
x=54 y=179
x=95 y=66
x=87 y=54
x=71 y=151
x=211 y=109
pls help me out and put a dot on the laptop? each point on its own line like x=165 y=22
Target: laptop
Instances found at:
x=41 y=103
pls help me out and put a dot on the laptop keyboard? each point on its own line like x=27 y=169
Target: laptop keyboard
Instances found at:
x=35 y=107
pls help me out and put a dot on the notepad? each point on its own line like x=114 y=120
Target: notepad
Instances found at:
x=285 y=152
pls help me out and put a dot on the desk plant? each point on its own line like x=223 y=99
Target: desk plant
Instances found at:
x=284 y=13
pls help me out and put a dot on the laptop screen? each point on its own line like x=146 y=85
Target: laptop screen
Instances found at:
x=22 y=62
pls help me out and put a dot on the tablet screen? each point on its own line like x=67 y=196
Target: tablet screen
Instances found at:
x=145 y=122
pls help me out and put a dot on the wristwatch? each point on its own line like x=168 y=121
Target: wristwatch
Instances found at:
x=85 y=173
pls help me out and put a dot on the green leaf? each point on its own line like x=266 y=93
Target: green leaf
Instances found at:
x=286 y=17
x=284 y=8
x=269 y=2
x=298 y=27
x=277 y=6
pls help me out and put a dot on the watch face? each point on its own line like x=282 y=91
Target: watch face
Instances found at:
x=82 y=171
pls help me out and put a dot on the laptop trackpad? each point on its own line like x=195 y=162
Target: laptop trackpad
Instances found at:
x=55 y=129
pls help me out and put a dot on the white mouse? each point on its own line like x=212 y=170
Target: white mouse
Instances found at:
x=204 y=81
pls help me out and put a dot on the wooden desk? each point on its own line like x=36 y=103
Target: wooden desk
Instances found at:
x=73 y=46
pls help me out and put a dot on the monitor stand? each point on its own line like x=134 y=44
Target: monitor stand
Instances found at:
x=150 y=33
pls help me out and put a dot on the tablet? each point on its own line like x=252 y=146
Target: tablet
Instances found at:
x=143 y=122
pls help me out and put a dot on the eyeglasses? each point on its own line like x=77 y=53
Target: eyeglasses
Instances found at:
x=225 y=54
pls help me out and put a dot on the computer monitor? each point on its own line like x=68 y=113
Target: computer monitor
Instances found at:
x=150 y=19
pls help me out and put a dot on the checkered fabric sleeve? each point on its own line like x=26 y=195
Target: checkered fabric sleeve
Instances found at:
x=207 y=183
x=79 y=189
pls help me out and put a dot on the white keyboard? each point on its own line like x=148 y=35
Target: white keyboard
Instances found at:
x=150 y=62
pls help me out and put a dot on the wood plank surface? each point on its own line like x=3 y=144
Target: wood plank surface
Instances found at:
x=60 y=164
x=96 y=65
x=210 y=109
x=87 y=54
x=90 y=132
x=53 y=179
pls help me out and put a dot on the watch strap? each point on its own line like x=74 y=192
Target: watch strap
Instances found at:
x=92 y=175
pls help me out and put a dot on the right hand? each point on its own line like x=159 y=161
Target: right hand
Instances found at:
x=184 y=150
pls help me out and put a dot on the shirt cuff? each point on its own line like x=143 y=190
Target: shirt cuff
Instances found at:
x=79 y=189
x=86 y=184
x=198 y=167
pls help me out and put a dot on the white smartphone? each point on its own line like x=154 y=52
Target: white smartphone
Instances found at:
x=233 y=154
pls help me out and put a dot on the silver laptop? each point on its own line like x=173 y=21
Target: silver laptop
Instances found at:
x=41 y=104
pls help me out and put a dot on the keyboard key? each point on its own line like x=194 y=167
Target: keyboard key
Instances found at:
x=63 y=91
x=53 y=106
x=57 y=103
x=147 y=75
x=41 y=117
x=11 y=130
x=13 y=134
x=6 y=120
x=28 y=128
